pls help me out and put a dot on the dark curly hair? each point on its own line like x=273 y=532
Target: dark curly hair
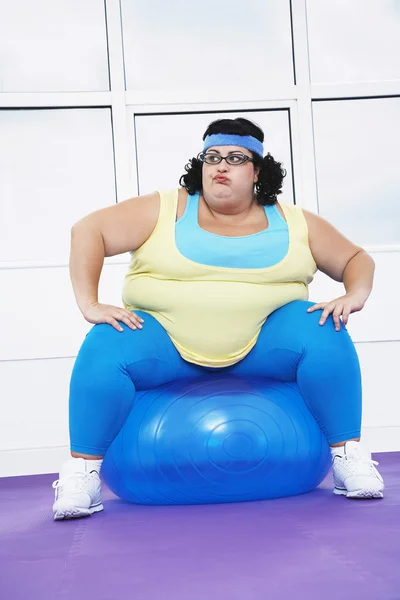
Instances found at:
x=271 y=175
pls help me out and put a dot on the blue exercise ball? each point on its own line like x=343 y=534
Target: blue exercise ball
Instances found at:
x=217 y=439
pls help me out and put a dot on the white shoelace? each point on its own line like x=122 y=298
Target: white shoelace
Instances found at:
x=74 y=484
x=357 y=460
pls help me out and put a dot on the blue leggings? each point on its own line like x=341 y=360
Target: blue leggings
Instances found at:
x=292 y=346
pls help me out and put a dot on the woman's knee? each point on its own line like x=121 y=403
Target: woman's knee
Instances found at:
x=292 y=316
x=105 y=335
x=295 y=309
x=143 y=353
x=106 y=346
x=294 y=322
x=296 y=312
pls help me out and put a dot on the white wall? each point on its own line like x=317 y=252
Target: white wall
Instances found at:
x=73 y=139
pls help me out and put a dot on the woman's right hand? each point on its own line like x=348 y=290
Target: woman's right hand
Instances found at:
x=106 y=313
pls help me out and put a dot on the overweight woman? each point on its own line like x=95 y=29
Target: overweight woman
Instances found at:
x=218 y=280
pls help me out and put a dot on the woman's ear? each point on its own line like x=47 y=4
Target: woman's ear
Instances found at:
x=256 y=173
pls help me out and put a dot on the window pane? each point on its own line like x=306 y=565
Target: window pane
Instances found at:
x=206 y=44
x=48 y=46
x=55 y=167
x=354 y=41
x=357 y=158
x=165 y=144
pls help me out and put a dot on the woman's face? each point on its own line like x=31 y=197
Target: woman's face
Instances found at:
x=224 y=181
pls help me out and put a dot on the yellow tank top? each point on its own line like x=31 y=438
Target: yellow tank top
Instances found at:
x=213 y=315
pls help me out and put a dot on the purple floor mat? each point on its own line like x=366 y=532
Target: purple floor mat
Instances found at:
x=312 y=546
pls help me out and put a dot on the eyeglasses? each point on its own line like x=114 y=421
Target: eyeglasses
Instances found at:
x=236 y=158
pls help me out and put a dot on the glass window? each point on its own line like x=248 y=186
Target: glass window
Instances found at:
x=206 y=44
x=37 y=406
x=55 y=167
x=354 y=41
x=379 y=319
x=165 y=143
x=357 y=157
x=379 y=367
x=48 y=46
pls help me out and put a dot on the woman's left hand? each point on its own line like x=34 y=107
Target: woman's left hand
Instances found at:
x=340 y=307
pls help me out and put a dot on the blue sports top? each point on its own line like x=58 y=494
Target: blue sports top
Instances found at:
x=263 y=249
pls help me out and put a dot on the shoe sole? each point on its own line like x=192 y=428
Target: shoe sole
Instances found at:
x=77 y=512
x=359 y=494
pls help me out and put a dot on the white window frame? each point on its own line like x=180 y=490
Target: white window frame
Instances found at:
x=125 y=105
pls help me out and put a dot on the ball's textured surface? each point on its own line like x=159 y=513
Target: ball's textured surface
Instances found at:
x=218 y=438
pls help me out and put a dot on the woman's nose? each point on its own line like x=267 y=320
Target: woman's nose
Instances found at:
x=222 y=166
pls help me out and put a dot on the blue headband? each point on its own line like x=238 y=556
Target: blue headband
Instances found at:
x=225 y=139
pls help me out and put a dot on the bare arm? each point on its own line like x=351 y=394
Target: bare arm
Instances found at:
x=86 y=263
x=343 y=261
x=358 y=275
x=107 y=232
x=338 y=257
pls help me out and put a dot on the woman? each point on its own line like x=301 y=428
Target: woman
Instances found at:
x=218 y=280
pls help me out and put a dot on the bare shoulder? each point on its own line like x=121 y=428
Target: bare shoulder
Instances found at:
x=330 y=248
x=318 y=227
x=126 y=225
x=321 y=231
x=312 y=219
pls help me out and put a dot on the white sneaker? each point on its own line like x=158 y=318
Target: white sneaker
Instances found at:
x=354 y=473
x=77 y=492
